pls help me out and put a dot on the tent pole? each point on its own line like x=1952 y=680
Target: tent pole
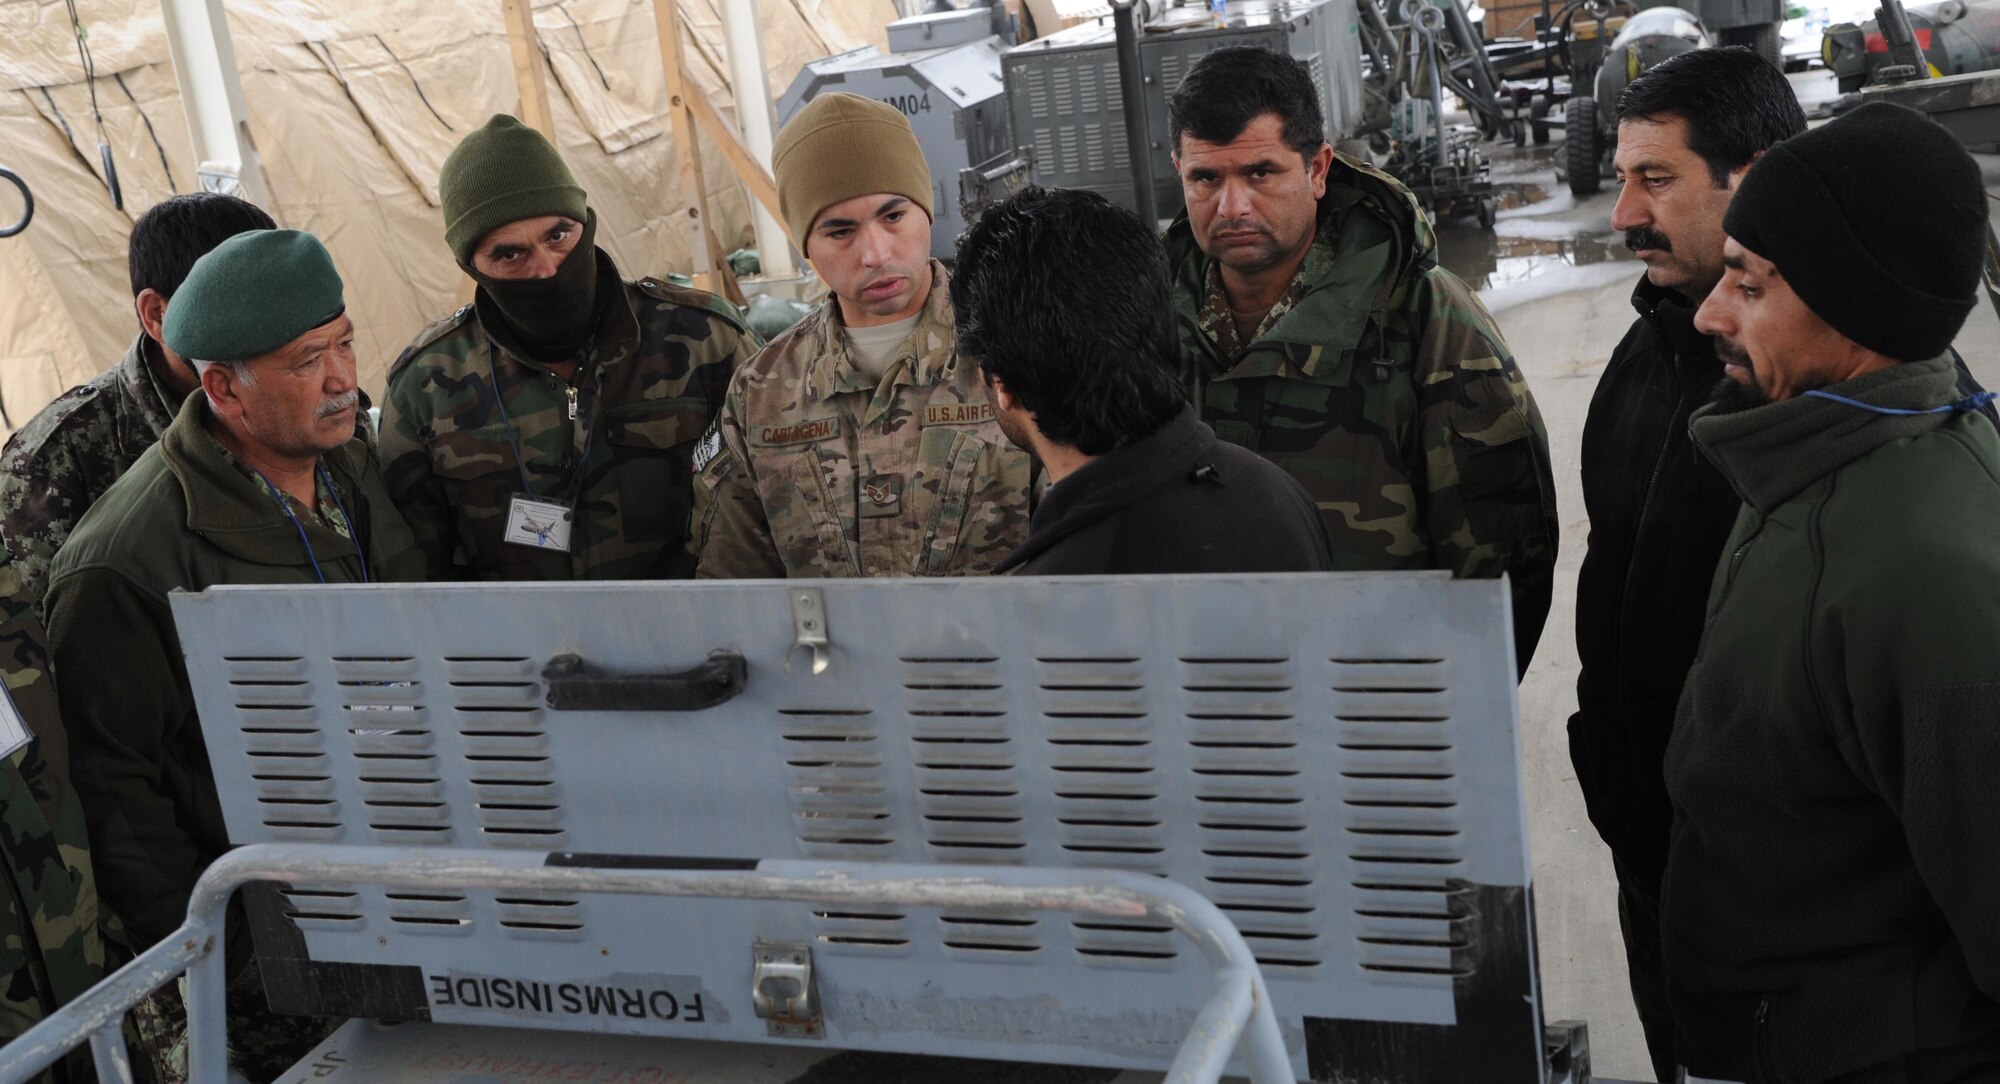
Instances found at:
x=212 y=96
x=753 y=113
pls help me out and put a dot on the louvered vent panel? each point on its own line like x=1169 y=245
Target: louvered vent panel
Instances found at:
x=1244 y=735
x=836 y=783
x=968 y=784
x=1404 y=836
x=287 y=748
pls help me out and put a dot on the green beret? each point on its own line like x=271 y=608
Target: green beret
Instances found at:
x=251 y=295
x=503 y=172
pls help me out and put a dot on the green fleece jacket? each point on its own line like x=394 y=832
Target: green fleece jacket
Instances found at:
x=183 y=518
x=1831 y=908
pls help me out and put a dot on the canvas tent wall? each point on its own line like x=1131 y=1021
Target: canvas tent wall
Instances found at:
x=353 y=106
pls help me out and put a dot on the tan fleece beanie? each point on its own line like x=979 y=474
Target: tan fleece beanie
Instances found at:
x=841 y=146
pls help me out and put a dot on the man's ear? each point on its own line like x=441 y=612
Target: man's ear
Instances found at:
x=220 y=382
x=1318 y=168
x=996 y=390
x=152 y=309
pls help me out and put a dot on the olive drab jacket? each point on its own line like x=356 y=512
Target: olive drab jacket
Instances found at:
x=816 y=469
x=1384 y=386
x=615 y=445
x=185 y=517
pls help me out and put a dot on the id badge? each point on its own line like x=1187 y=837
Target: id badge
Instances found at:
x=542 y=525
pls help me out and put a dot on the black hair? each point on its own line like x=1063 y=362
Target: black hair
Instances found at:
x=1230 y=87
x=169 y=238
x=1064 y=297
x=1735 y=102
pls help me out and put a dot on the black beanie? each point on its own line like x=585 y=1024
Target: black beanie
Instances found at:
x=1877 y=221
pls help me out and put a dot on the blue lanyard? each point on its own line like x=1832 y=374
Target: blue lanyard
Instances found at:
x=359 y=551
x=575 y=483
x=1969 y=403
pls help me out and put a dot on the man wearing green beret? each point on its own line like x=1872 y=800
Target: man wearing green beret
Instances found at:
x=546 y=431
x=260 y=479
x=859 y=443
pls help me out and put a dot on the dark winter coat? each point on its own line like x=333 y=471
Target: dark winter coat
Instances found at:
x=1828 y=911
x=1176 y=501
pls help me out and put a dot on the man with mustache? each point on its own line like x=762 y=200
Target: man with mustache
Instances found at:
x=1319 y=331
x=860 y=442
x=1827 y=912
x=260 y=479
x=1689 y=129
x=546 y=431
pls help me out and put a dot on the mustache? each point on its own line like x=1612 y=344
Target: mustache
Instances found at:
x=338 y=403
x=1240 y=225
x=1647 y=237
x=1731 y=351
x=891 y=271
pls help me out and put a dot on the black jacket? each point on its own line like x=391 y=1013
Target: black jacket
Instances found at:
x=1660 y=514
x=1176 y=501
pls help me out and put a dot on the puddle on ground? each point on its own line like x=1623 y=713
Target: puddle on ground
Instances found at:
x=1486 y=261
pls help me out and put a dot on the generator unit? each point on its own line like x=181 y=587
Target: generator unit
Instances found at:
x=943 y=71
x=1063 y=98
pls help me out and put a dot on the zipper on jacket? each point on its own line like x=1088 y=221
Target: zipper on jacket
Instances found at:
x=569 y=392
x=1760 y=1044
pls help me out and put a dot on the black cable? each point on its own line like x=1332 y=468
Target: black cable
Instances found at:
x=90 y=83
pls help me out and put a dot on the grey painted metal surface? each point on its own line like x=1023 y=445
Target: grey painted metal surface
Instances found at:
x=948 y=87
x=1239 y=1008
x=1332 y=759
x=1063 y=100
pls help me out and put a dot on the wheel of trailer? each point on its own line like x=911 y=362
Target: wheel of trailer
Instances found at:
x=1582 y=146
x=1762 y=39
x=1487 y=213
x=1538 y=120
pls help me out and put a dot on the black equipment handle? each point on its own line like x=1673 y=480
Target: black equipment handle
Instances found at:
x=27 y=198
x=575 y=685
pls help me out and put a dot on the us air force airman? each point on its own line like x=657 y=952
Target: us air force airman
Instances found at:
x=859 y=443
x=545 y=431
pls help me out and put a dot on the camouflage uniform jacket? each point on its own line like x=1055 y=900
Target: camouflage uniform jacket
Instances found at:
x=816 y=469
x=1384 y=387
x=183 y=518
x=50 y=947
x=647 y=387
x=59 y=463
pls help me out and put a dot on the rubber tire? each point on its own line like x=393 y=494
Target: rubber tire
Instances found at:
x=1538 y=121
x=1488 y=213
x=1582 y=145
x=1762 y=39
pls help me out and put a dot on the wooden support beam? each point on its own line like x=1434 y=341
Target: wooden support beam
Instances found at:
x=730 y=141
x=687 y=155
x=530 y=73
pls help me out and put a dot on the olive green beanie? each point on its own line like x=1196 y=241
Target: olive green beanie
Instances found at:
x=841 y=146
x=504 y=172
x=251 y=295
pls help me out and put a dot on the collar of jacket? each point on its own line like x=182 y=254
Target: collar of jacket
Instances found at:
x=155 y=404
x=1385 y=241
x=237 y=514
x=1113 y=481
x=1672 y=318
x=930 y=351
x=617 y=334
x=1771 y=453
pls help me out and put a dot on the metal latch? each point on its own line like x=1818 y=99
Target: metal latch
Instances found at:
x=782 y=990
x=809 y=628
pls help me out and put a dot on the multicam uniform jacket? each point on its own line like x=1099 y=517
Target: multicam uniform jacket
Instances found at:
x=50 y=946
x=816 y=469
x=615 y=445
x=56 y=466
x=1382 y=384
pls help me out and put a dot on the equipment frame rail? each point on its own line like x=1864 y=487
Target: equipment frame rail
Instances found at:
x=1238 y=1012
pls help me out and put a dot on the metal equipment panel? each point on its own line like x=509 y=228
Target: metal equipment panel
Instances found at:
x=1332 y=760
x=1063 y=97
